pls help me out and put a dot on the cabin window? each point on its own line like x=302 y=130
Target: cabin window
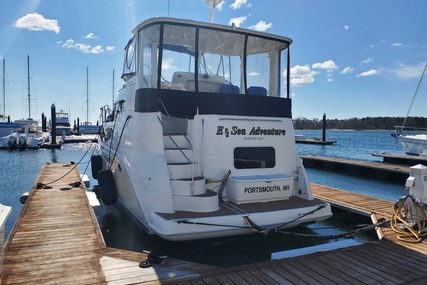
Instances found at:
x=254 y=157
x=220 y=61
x=177 y=70
x=148 y=65
x=284 y=75
x=129 y=62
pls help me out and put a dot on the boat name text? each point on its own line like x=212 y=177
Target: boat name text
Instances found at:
x=263 y=189
x=255 y=131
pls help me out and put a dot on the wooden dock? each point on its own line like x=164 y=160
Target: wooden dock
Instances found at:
x=375 y=170
x=56 y=239
x=402 y=158
x=388 y=261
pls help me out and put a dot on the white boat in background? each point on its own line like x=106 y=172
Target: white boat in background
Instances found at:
x=88 y=129
x=412 y=139
x=414 y=144
x=200 y=148
x=28 y=136
x=63 y=126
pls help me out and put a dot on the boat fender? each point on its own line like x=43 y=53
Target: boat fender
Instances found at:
x=23 y=197
x=107 y=187
x=96 y=164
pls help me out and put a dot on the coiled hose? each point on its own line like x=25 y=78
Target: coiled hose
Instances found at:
x=409 y=218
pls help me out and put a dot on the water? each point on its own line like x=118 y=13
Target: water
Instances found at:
x=356 y=145
x=19 y=171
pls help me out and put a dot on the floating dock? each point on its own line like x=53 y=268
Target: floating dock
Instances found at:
x=402 y=158
x=56 y=239
x=375 y=170
x=318 y=141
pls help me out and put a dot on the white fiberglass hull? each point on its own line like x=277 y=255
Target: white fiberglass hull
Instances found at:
x=191 y=153
x=414 y=144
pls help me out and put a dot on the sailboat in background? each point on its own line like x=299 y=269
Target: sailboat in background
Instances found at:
x=6 y=126
x=87 y=127
x=29 y=134
x=413 y=139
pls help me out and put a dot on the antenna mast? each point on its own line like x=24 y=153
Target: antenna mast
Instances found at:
x=213 y=4
x=29 y=94
x=87 y=94
x=4 y=89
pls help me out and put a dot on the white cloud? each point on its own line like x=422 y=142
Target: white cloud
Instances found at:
x=261 y=26
x=346 y=27
x=301 y=75
x=168 y=64
x=408 y=71
x=328 y=65
x=368 y=60
x=397 y=45
x=36 y=22
x=96 y=50
x=346 y=70
x=238 y=4
x=253 y=74
x=84 y=48
x=110 y=48
x=219 y=6
x=369 y=73
x=90 y=36
x=237 y=21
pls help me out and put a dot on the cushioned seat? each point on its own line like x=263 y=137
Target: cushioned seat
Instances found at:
x=257 y=90
x=229 y=89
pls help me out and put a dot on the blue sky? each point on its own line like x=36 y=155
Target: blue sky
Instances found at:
x=349 y=58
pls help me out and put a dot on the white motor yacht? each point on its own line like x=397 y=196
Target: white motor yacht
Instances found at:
x=200 y=142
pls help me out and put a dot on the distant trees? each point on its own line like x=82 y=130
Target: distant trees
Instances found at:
x=368 y=123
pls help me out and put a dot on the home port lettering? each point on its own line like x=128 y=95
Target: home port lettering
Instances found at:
x=255 y=131
x=263 y=189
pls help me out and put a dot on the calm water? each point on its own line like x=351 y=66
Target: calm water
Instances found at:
x=19 y=170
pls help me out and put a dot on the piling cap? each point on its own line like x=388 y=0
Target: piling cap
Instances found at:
x=419 y=169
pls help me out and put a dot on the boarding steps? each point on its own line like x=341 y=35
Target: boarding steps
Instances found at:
x=188 y=193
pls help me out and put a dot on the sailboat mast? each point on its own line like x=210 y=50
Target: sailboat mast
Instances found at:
x=28 y=82
x=4 y=89
x=87 y=94
x=113 y=86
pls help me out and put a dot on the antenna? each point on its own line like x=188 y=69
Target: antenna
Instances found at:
x=213 y=4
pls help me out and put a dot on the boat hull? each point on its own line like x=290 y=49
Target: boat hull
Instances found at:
x=414 y=144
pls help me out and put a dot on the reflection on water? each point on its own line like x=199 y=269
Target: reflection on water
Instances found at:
x=53 y=156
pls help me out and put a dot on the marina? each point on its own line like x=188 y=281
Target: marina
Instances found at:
x=57 y=226
x=203 y=168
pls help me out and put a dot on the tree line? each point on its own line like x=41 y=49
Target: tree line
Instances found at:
x=368 y=123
